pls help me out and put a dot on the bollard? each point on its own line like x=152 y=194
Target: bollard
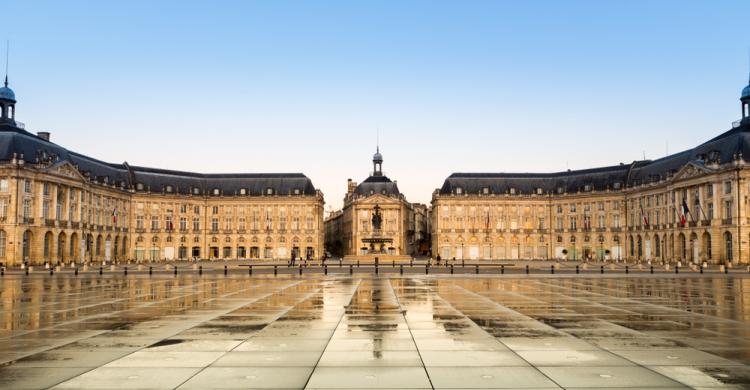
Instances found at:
x=300 y=269
x=2 y=271
x=351 y=269
x=101 y=270
x=125 y=270
x=451 y=269
x=411 y=263
x=701 y=268
x=652 y=269
x=27 y=271
x=325 y=269
x=341 y=263
x=51 y=271
x=577 y=270
x=726 y=270
x=502 y=269
x=627 y=270
x=200 y=270
x=677 y=269
x=376 y=268
x=426 y=269
x=225 y=270
x=76 y=271
x=527 y=269
x=462 y=263
x=476 y=270
x=394 y=264
x=357 y=263
x=249 y=270
x=175 y=270
x=150 y=270
x=401 y=269
x=275 y=270
x=601 y=269
x=552 y=269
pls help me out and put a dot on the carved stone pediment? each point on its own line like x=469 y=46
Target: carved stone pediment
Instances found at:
x=690 y=170
x=65 y=169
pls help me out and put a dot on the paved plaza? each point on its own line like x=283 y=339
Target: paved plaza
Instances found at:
x=374 y=331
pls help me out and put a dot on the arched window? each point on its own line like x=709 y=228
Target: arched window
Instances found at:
x=2 y=244
x=728 y=245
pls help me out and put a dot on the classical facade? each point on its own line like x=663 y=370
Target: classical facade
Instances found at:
x=58 y=205
x=376 y=220
x=691 y=207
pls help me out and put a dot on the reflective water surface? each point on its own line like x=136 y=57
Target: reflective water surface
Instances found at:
x=197 y=332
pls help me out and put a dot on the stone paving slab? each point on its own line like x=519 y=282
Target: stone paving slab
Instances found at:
x=367 y=331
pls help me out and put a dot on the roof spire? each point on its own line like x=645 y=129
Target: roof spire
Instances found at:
x=377 y=139
x=7 y=55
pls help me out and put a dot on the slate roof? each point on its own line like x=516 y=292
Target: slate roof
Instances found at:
x=34 y=149
x=377 y=185
x=724 y=148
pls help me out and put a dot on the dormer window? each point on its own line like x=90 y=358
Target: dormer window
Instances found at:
x=459 y=190
x=139 y=186
x=296 y=191
x=617 y=185
x=196 y=191
x=512 y=191
x=168 y=189
x=269 y=191
x=372 y=192
x=587 y=188
x=243 y=191
x=485 y=191
x=539 y=191
x=216 y=192
x=560 y=190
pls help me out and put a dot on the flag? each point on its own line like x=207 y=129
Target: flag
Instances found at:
x=114 y=215
x=644 y=216
x=684 y=210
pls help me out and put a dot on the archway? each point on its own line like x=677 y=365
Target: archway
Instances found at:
x=47 y=248
x=728 y=250
x=73 y=247
x=694 y=254
x=28 y=238
x=61 y=241
x=681 y=248
x=706 y=247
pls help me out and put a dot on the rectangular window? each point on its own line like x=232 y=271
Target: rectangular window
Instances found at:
x=241 y=224
x=139 y=222
x=710 y=212
x=573 y=223
x=183 y=223
x=709 y=190
x=196 y=224
x=616 y=221
x=727 y=187
x=27 y=208
x=728 y=209
x=228 y=223
x=214 y=224
x=196 y=209
x=3 y=185
x=169 y=225
x=27 y=186
x=215 y=210
x=154 y=222
x=45 y=189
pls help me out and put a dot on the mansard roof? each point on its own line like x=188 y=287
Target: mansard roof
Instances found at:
x=729 y=146
x=377 y=185
x=18 y=142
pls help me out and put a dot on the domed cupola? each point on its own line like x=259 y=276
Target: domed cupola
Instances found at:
x=7 y=104
x=377 y=163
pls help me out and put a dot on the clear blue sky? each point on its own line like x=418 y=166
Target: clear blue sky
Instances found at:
x=302 y=86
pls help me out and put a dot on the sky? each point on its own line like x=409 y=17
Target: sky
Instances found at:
x=305 y=86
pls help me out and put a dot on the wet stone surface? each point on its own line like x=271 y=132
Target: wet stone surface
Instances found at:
x=341 y=332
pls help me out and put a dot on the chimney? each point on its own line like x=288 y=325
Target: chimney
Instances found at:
x=43 y=135
x=350 y=186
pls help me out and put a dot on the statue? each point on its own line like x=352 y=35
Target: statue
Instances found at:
x=377 y=219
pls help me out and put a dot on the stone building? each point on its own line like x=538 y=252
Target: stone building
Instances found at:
x=376 y=220
x=58 y=205
x=690 y=206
